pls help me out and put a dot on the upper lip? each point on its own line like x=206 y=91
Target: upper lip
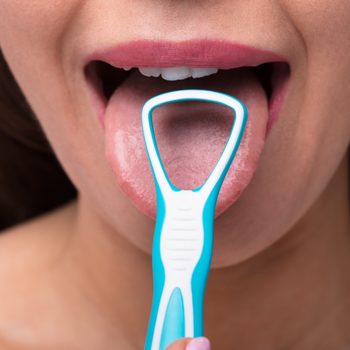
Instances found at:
x=221 y=54
x=194 y=53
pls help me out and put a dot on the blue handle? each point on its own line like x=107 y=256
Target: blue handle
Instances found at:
x=173 y=327
x=177 y=307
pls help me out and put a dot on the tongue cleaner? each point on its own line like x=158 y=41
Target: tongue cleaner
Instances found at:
x=183 y=236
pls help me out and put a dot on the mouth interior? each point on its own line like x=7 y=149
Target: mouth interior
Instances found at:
x=193 y=129
x=105 y=78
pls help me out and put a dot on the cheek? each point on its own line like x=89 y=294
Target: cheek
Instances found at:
x=322 y=24
x=40 y=22
x=34 y=41
x=324 y=28
x=32 y=37
x=32 y=34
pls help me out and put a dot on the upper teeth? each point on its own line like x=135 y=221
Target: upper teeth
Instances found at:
x=175 y=73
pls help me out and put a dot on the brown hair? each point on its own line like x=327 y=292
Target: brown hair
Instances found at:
x=31 y=179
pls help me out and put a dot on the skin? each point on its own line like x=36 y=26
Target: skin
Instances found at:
x=80 y=277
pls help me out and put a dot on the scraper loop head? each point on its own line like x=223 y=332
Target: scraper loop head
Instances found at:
x=218 y=174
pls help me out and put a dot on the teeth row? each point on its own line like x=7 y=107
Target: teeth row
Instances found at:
x=176 y=73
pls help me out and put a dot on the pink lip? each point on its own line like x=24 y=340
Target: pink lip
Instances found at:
x=195 y=53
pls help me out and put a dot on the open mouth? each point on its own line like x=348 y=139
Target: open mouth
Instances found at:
x=190 y=135
x=105 y=78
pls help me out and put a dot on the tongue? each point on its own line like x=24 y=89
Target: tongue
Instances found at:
x=190 y=135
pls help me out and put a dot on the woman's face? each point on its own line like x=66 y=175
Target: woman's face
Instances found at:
x=53 y=47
